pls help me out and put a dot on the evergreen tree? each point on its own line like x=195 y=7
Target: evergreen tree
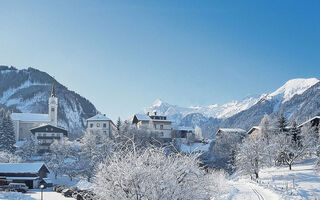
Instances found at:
x=282 y=123
x=118 y=124
x=10 y=135
x=7 y=135
x=295 y=133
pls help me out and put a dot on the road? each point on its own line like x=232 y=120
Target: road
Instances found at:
x=251 y=191
x=48 y=194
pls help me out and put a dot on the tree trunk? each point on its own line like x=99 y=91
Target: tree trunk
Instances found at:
x=290 y=166
x=257 y=175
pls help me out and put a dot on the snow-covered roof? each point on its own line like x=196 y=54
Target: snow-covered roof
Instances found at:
x=99 y=117
x=30 y=117
x=232 y=130
x=313 y=118
x=183 y=128
x=20 y=167
x=22 y=178
x=19 y=144
x=252 y=129
x=142 y=117
x=47 y=180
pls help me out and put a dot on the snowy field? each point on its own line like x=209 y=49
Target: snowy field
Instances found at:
x=302 y=182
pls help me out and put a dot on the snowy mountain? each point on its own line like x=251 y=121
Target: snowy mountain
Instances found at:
x=178 y=114
x=298 y=98
x=28 y=90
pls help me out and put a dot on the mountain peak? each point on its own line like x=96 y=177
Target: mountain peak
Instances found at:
x=293 y=87
x=157 y=103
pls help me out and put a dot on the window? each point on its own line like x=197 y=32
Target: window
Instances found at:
x=91 y=125
x=98 y=124
x=161 y=126
x=104 y=125
x=105 y=132
x=161 y=134
x=44 y=134
x=155 y=126
x=52 y=109
x=52 y=134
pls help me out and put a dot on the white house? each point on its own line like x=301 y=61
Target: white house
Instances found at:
x=100 y=125
x=24 y=122
x=155 y=123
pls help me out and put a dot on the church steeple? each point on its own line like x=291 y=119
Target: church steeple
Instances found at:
x=53 y=94
x=53 y=107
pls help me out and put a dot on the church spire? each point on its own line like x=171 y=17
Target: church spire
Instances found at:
x=53 y=94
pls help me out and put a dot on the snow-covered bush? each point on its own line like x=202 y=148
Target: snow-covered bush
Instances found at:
x=153 y=175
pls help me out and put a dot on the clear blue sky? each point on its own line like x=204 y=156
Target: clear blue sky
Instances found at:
x=122 y=55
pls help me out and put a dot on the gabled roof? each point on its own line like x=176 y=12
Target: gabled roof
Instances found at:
x=30 y=117
x=313 y=118
x=99 y=117
x=49 y=129
x=142 y=117
x=22 y=167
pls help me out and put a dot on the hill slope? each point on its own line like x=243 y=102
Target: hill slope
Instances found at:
x=28 y=90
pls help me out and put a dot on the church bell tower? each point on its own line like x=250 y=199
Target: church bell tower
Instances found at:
x=53 y=107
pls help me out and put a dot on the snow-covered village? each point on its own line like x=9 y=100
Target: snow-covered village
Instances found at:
x=159 y=100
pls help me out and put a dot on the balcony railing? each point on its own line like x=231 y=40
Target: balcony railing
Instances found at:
x=48 y=137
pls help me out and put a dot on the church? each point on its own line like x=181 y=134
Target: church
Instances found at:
x=24 y=123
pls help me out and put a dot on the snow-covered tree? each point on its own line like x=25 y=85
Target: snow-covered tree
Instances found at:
x=6 y=157
x=28 y=148
x=251 y=155
x=198 y=132
x=55 y=160
x=224 y=148
x=94 y=149
x=265 y=128
x=152 y=175
x=287 y=151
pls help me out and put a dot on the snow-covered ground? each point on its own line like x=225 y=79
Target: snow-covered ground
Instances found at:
x=48 y=194
x=302 y=182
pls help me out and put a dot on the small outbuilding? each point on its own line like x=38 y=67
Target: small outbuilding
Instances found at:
x=29 y=173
